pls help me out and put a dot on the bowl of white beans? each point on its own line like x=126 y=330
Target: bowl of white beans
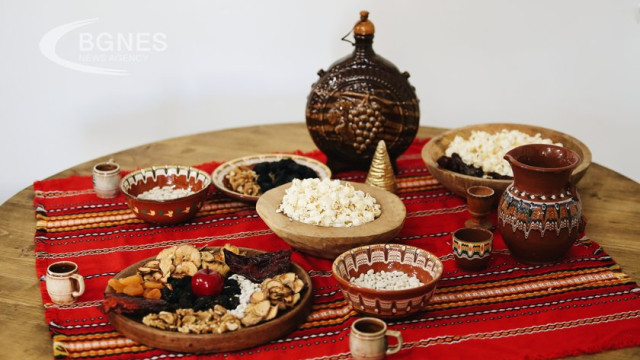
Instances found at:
x=387 y=280
x=167 y=194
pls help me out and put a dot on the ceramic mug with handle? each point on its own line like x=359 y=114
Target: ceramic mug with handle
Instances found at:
x=64 y=284
x=368 y=339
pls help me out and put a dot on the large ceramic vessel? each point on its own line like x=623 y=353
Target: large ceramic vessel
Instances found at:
x=540 y=214
x=359 y=100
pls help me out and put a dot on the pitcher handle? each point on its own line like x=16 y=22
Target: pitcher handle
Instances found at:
x=398 y=346
x=80 y=280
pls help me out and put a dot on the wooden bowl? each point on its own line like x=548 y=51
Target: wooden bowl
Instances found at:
x=202 y=343
x=329 y=242
x=222 y=183
x=388 y=257
x=458 y=183
x=166 y=211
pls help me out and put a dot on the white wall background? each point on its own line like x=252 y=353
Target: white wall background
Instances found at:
x=572 y=65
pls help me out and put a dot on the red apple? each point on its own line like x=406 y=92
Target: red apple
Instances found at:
x=206 y=282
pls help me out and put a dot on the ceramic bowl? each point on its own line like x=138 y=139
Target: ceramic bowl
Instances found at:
x=166 y=211
x=329 y=242
x=458 y=183
x=222 y=183
x=388 y=257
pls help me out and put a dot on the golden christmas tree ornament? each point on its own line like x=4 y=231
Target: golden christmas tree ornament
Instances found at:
x=381 y=171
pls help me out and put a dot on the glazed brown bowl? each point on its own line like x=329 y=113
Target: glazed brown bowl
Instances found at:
x=328 y=242
x=166 y=211
x=458 y=183
x=388 y=257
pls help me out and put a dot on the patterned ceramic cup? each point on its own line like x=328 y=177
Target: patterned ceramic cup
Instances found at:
x=368 y=339
x=472 y=248
x=106 y=179
x=64 y=284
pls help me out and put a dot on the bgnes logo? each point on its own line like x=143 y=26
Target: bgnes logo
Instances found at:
x=101 y=48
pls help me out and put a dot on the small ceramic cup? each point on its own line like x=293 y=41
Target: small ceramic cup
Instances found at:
x=106 y=179
x=64 y=284
x=480 y=201
x=472 y=248
x=368 y=339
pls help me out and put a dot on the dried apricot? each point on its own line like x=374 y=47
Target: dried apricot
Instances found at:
x=116 y=285
x=153 y=294
x=133 y=290
x=153 y=285
x=131 y=280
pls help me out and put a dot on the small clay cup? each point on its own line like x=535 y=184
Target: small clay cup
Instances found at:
x=368 y=339
x=480 y=200
x=472 y=248
x=64 y=284
x=106 y=179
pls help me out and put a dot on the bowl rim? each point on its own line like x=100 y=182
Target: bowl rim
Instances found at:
x=153 y=168
x=583 y=164
x=422 y=288
x=218 y=171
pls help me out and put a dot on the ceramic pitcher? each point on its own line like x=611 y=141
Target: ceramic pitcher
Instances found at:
x=540 y=213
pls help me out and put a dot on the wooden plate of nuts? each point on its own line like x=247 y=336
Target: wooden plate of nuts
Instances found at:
x=248 y=177
x=225 y=333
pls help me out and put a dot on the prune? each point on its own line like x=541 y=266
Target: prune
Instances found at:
x=276 y=173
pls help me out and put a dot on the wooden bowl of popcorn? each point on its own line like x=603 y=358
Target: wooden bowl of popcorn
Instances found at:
x=326 y=217
x=167 y=194
x=484 y=146
x=387 y=280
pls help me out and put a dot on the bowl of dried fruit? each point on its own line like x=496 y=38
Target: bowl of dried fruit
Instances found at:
x=387 y=280
x=248 y=177
x=473 y=155
x=167 y=194
x=327 y=217
x=210 y=299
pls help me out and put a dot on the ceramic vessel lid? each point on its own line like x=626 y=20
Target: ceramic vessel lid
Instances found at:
x=364 y=26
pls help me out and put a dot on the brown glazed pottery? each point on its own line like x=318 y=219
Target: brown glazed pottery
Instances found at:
x=362 y=99
x=166 y=211
x=480 y=201
x=472 y=248
x=388 y=257
x=540 y=214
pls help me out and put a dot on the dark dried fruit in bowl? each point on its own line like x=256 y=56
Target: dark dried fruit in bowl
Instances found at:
x=261 y=266
x=276 y=173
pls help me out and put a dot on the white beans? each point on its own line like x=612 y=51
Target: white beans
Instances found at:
x=394 y=280
x=168 y=192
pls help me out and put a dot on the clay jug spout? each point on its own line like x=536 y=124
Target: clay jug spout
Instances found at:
x=509 y=158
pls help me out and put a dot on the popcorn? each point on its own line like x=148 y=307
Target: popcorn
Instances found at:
x=486 y=150
x=328 y=203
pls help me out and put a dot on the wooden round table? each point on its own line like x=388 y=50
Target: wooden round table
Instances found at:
x=611 y=203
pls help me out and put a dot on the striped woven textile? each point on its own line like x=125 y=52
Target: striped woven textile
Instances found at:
x=583 y=304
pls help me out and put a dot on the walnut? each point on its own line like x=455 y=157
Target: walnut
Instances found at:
x=243 y=180
x=188 y=321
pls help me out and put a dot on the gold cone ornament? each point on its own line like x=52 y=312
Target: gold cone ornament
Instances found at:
x=381 y=171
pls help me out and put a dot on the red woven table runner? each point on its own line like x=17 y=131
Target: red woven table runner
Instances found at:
x=584 y=304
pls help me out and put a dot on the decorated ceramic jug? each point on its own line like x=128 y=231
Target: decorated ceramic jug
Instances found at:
x=540 y=213
x=360 y=100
